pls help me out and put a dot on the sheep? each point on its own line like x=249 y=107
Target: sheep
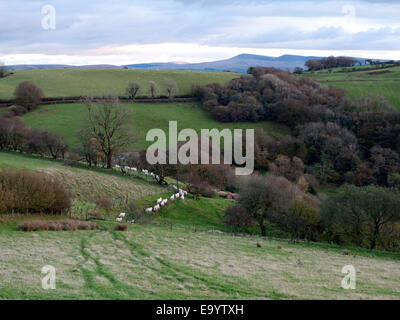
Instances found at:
x=134 y=169
x=165 y=200
x=118 y=219
x=149 y=210
x=172 y=197
x=162 y=204
x=159 y=200
x=177 y=195
x=157 y=207
x=182 y=197
x=122 y=215
x=117 y=166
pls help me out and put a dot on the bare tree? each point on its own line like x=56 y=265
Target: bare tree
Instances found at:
x=171 y=87
x=132 y=89
x=107 y=122
x=3 y=70
x=154 y=89
x=28 y=95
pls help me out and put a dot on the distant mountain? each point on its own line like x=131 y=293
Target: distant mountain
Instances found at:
x=238 y=63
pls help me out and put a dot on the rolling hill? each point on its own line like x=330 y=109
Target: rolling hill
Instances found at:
x=383 y=82
x=239 y=63
x=77 y=82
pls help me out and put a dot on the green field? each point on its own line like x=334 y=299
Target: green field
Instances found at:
x=356 y=84
x=67 y=119
x=79 y=82
x=184 y=252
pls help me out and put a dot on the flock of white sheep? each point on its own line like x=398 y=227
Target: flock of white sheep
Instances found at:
x=144 y=171
x=163 y=202
x=180 y=194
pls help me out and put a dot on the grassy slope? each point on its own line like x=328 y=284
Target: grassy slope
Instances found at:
x=363 y=82
x=77 y=82
x=182 y=255
x=84 y=185
x=67 y=120
x=159 y=262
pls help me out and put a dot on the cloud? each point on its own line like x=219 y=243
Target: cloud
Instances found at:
x=85 y=28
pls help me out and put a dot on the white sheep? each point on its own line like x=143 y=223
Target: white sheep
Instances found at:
x=134 y=169
x=182 y=197
x=118 y=219
x=159 y=200
x=157 y=207
x=149 y=210
x=117 y=166
x=172 y=197
x=177 y=195
x=122 y=215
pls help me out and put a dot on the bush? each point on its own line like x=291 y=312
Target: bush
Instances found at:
x=28 y=95
x=238 y=217
x=27 y=191
x=59 y=225
x=121 y=227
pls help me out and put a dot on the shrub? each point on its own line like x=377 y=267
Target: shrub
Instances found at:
x=27 y=191
x=121 y=227
x=238 y=217
x=28 y=95
x=58 y=225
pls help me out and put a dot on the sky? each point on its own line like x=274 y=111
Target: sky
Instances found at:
x=130 y=31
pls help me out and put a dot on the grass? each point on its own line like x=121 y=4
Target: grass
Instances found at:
x=67 y=119
x=76 y=82
x=84 y=185
x=159 y=262
x=185 y=253
x=363 y=82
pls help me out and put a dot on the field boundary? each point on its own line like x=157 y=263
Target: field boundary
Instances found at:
x=68 y=100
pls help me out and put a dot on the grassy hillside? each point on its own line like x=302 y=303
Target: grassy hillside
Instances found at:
x=183 y=253
x=163 y=262
x=384 y=82
x=84 y=185
x=76 y=82
x=67 y=119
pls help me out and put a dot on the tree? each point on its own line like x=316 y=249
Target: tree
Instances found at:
x=265 y=198
x=28 y=95
x=359 y=214
x=106 y=122
x=171 y=87
x=54 y=144
x=89 y=147
x=154 y=89
x=132 y=89
x=3 y=70
x=238 y=217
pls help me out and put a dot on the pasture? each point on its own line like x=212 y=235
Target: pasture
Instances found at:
x=67 y=119
x=383 y=82
x=183 y=252
x=95 y=82
x=163 y=261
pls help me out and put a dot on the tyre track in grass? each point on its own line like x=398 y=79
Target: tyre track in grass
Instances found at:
x=181 y=273
x=100 y=270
